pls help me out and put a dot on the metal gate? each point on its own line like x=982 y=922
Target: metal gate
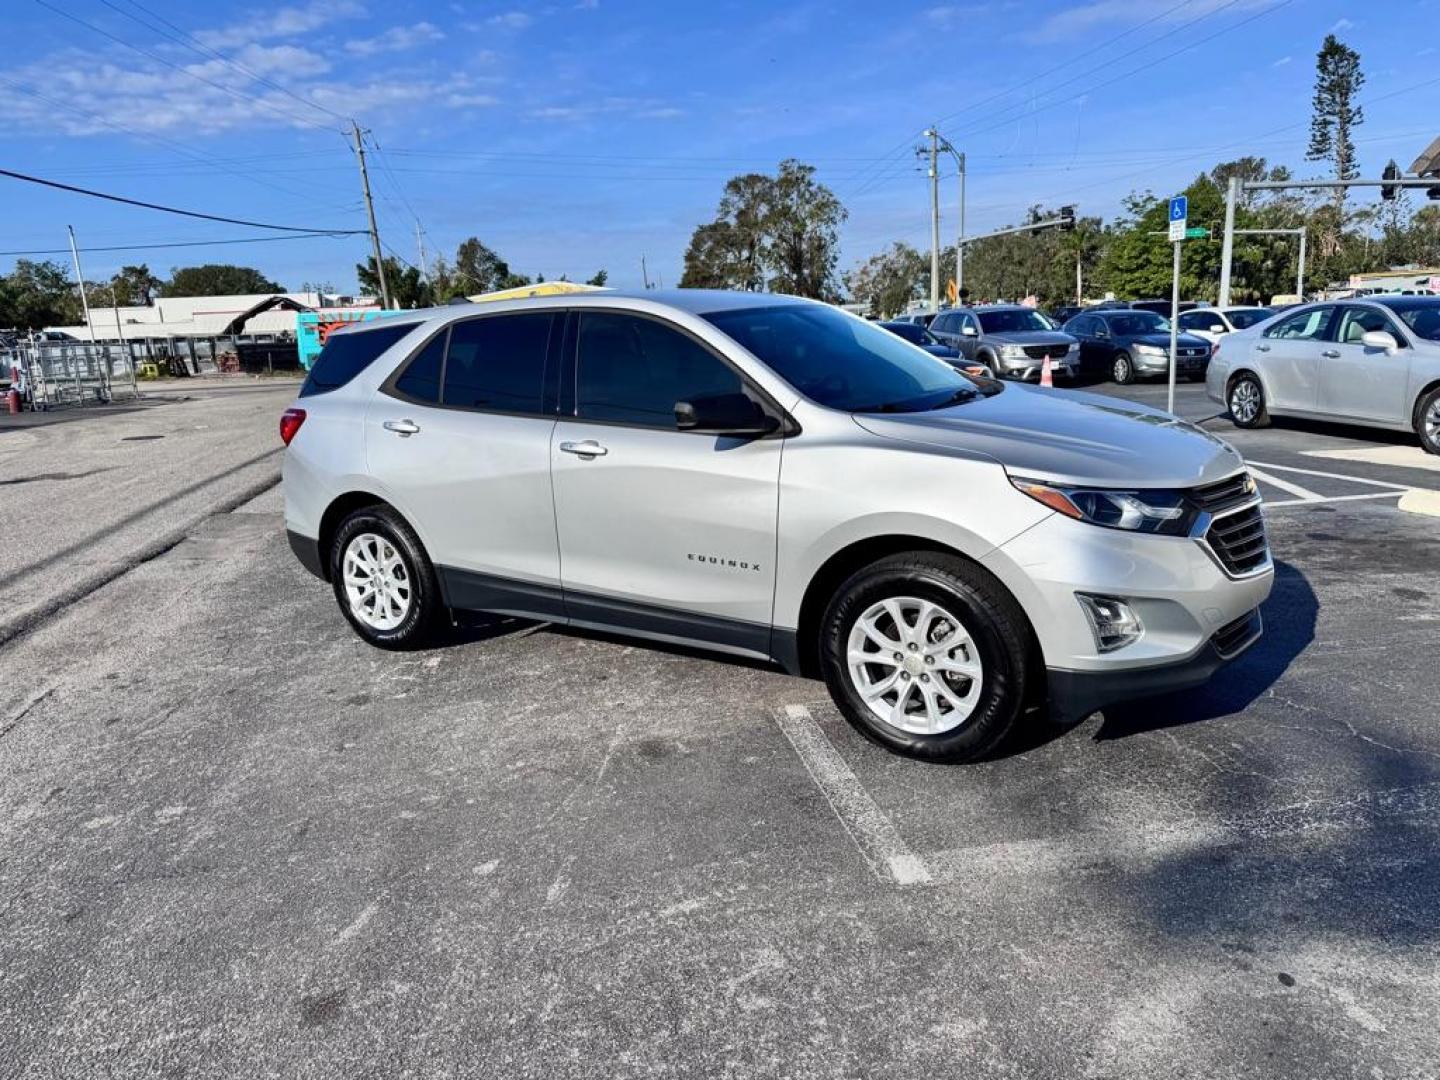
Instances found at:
x=61 y=373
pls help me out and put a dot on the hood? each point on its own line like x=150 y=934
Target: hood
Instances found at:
x=1069 y=436
x=1162 y=340
x=1031 y=337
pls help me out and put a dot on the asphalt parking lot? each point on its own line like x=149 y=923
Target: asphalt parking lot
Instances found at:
x=239 y=842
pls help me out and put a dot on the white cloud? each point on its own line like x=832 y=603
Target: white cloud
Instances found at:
x=631 y=108
x=511 y=20
x=1091 y=14
x=1282 y=61
x=282 y=23
x=395 y=39
x=1341 y=24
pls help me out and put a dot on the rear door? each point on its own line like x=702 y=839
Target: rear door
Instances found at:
x=665 y=532
x=461 y=434
x=1288 y=357
x=1360 y=382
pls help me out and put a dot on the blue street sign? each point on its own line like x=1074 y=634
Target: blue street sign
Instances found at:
x=1179 y=208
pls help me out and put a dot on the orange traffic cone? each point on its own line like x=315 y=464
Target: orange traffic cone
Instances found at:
x=1045 y=377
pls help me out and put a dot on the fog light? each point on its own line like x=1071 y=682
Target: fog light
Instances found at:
x=1112 y=621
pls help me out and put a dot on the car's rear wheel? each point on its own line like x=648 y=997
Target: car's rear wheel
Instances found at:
x=383 y=580
x=1122 y=369
x=1246 y=400
x=927 y=655
x=1427 y=422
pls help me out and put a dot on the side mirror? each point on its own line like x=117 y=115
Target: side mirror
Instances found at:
x=968 y=331
x=1217 y=328
x=724 y=414
x=1380 y=339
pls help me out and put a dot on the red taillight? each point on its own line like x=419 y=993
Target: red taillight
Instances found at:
x=290 y=421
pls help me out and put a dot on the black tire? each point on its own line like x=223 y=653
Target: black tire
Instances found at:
x=1235 y=402
x=992 y=362
x=1122 y=368
x=1427 y=421
x=998 y=630
x=425 y=616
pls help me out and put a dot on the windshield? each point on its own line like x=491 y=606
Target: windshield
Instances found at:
x=1421 y=316
x=1137 y=322
x=842 y=362
x=1013 y=321
x=1244 y=318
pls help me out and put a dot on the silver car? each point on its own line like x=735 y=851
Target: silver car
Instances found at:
x=1374 y=362
x=1013 y=340
x=776 y=479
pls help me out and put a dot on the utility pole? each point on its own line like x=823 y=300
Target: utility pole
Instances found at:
x=960 y=236
x=370 y=210
x=420 y=245
x=934 y=136
x=644 y=274
x=1227 y=246
x=84 y=302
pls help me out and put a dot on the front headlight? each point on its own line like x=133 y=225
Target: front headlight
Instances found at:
x=1147 y=510
x=1074 y=347
x=1149 y=350
x=1012 y=352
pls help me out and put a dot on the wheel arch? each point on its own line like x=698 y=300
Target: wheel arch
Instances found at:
x=341 y=507
x=1428 y=388
x=833 y=572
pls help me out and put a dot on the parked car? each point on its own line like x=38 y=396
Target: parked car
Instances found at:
x=777 y=479
x=918 y=335
x=1211 y=323
x=1160 y=306
x=1374 y=362
x=1013 y=341
x=1130 y=344
x=920 y=318
x=1064 y=313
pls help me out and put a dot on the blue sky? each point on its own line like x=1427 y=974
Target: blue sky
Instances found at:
x=586 y=133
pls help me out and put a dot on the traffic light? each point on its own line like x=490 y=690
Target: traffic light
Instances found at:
x=1389 y=191
x=1067 y=218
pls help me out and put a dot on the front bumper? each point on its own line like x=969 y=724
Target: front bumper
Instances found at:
x=1029 y=369
x=1074 y=695
x=1160 y=365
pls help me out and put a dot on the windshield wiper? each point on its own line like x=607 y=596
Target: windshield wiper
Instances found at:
x=965 y=393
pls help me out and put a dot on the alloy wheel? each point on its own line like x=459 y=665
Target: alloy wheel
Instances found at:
x=377 y=581
x=1121 y=369
x=1432 y=423
x=1244 y=401
x=914 y=665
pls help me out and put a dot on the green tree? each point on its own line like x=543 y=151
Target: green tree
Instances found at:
x=218 y=279
x=132 y=286
x=888 y=281
x=478 y=269
x=35 y=295
x=776 y=232
x=600 y=278
x=1334 y=117
x=407 y=290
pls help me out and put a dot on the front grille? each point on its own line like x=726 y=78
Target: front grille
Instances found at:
x=1233 y=637
x=1238 y=540
x=1194 y=353
x=1039 y=352
x=1213 y=498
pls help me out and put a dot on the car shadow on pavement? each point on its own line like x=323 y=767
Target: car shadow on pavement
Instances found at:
x=1290 y=615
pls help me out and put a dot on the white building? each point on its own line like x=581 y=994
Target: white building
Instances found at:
x=256 y=314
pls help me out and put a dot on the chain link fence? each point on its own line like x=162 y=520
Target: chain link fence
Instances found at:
x=55 y=374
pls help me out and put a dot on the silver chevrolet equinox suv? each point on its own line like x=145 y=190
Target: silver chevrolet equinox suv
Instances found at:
x=776 y=479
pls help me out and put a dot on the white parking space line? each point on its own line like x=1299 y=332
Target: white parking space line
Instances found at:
x=1302 y=494
x=1405 y=457
x=873 y=833
x=1269 y=505
x=1330 y=475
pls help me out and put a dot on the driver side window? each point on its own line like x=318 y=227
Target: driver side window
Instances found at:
x=1303 y=326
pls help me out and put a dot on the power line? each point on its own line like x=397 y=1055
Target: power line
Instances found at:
x=176 y=67
x=196 y=45
x=176 y=244
x=174 y=210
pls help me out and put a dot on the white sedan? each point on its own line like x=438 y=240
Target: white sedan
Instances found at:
x=1213 y=323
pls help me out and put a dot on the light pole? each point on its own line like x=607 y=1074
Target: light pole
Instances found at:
x=934 y=137
x=945 y=144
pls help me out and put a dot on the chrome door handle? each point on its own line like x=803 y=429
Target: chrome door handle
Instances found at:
x=1331 y=354
x=403 y=428
x=587 y=449
x=1262 y=348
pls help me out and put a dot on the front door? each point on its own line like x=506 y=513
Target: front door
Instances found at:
x=462 y=438
x=1289 y=356
x=1362 y=382
x=663 y=532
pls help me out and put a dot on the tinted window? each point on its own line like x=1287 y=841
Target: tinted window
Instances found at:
x=911 y=332
x=1421 y=315
x=1248 y=317
x=1308 y=325
x=842 y=362
x=420 y=381
x=1199 y=320
x=633 y=370
x=1356 y=322
x=942 y=323
x=1013 y=321
x=1137 y=322
x=349 y=352
x=497 y=363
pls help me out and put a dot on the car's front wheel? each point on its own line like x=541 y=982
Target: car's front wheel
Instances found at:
x=1427 y=421
x=1246 y=400
x=383 y=580
x=927 y=655
x=1122 y=369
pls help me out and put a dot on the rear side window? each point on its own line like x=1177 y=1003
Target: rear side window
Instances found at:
x=420 y=381
x=498 y=363
x=1308 y=325
x=348 y=353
